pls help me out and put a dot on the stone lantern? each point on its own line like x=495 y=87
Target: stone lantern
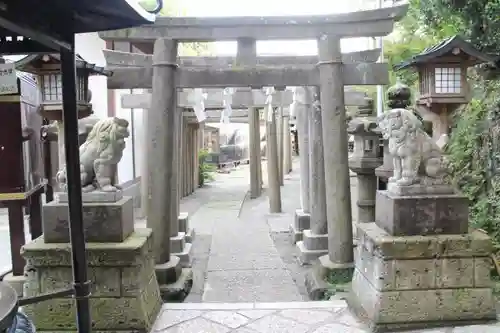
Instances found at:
x=47 y=69
x=442 y=81
x=363 y=161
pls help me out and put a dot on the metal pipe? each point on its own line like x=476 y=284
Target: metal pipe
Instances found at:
x=70 y=121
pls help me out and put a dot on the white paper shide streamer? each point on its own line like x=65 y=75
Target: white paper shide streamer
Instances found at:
x=227 y=100
x=199 y=104
x=269 y=103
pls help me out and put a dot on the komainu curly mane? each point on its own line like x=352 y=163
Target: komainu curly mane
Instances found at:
x=103 y=133
x=100 y=154
x=417 y=158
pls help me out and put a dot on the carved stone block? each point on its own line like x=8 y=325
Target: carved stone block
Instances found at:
x=301 y=222
x=396 y=277
x=125 y=296
x=102 y=222
x=421 y=215
x=95 y=196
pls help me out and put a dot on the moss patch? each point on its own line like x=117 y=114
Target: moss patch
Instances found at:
x=339 y=281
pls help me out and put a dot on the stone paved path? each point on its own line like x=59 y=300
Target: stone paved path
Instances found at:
x=235 y=259
x=241 y=252
x=295 y=317
x=246 y=277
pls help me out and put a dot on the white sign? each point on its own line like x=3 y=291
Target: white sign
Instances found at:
x=8 y=79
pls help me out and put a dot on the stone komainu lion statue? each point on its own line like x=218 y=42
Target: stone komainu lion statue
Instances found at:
x=99 y=155
x=417 y=159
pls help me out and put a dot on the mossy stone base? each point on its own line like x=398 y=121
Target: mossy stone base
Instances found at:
x=125 y=293
x=396 y=277
x=177 y=291
x=326 y=278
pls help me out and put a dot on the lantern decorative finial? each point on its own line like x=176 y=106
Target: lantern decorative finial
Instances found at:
x=158 y=8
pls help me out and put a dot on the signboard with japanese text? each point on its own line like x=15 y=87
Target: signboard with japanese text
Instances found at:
x=8 y=79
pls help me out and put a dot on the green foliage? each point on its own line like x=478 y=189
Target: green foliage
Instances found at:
x=411 y=37
x=205 y=170
x=477 y=20
x=473 y=151
x=474 y=158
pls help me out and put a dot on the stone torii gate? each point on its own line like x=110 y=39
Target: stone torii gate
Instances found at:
x=117 y=60
x=330 y=74
x=215 y=101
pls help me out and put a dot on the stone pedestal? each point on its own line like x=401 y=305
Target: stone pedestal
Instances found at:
x=312 y=246
x=125 y=295
x=301 y=222
x=184 y=227
x=181 y=249
x=175 y=282
x=421 y=281
x=326 y=276
x=103 y=221
x=422 y=214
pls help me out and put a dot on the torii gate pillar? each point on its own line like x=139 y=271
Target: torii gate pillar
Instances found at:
x=246 y=55
x=340 y=259
x=163 y=209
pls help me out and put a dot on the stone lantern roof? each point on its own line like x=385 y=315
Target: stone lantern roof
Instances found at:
x=32 y=62
x=444 y=48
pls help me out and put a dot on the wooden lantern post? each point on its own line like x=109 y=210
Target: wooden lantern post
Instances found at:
x=442 y=78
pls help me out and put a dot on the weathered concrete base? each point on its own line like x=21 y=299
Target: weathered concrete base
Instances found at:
x=125 y=294
x=118 y=220
x=316 y=282
x=185 y=256
x=422 y=215
x=178 y=290
x=175 y=282
x=95 y=196
x=190 y=235
x=312 y=247
x=184 y=227
x=306 y=256
x=301 y=222
x=16 y=282
x=396 y=277
x=181 y=249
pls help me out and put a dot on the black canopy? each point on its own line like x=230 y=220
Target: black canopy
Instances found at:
x=50 y=24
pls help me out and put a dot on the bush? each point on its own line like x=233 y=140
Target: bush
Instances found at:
x=205 y=170
x=474 y=155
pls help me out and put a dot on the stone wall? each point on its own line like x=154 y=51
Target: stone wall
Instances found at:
x=447 y=275
x=125 y=294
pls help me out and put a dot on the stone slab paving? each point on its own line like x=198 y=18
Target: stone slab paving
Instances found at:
x=242 y=253
x=294 y=317
x=237 y=260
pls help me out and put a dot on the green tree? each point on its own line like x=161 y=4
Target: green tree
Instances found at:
x=477 y=20
x=474 y=148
